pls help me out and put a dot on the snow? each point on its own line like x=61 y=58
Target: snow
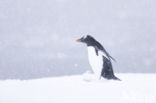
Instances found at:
x=134 y=88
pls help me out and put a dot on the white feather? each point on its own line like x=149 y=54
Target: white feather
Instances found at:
x=95 y=61
x=85 y=36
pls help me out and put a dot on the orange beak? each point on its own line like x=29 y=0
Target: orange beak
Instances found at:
x=78 y=40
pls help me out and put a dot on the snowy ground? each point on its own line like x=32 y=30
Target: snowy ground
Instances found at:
x=134 y=88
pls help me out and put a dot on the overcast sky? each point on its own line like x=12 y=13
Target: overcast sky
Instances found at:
x=37 y=37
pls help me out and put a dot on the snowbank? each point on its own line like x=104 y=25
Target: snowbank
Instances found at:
x=134 y=88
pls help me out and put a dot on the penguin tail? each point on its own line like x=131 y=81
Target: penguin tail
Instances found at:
x=115 y=78
x=112 y=77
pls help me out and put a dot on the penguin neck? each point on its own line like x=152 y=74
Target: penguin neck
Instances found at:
x=91 y=44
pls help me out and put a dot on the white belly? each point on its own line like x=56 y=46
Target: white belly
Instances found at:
x=95 y=61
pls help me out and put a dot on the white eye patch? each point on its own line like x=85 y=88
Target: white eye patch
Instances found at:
x=84 y=37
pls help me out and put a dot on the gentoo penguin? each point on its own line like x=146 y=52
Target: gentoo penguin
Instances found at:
x=99 y=58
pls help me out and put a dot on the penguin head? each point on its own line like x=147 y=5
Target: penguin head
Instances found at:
x=87 y=39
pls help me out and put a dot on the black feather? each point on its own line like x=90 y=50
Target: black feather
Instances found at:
x=107 y=70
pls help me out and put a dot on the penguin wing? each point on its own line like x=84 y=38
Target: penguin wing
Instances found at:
x=111 y=57
x=104 y=53
x=108 y=55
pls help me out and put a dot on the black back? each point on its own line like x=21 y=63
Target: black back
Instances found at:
x=90 y=41
x=107 y=70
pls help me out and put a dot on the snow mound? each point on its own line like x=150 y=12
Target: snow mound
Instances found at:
x=134 y=88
